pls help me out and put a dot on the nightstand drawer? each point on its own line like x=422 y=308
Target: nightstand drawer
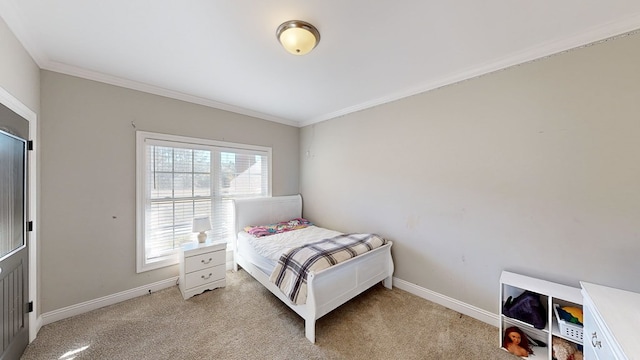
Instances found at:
x=202 y=267
x=206 y=260
x=205 y=276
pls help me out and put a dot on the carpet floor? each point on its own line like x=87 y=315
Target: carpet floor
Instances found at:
x=245 y=321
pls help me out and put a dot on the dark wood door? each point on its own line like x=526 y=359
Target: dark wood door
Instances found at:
x=14 y=257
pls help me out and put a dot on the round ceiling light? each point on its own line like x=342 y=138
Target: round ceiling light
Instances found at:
x=298 y=37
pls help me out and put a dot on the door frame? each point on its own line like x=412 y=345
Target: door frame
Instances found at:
x=8 y=100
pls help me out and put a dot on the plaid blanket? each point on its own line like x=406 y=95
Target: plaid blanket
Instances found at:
x=290 y=274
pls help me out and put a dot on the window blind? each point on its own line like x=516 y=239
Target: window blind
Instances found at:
x=183 y=180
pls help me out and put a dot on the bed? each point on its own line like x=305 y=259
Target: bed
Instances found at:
x=326 y=289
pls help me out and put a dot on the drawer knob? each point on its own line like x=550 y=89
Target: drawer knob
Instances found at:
x=207 y=277
x=594 y=340
x=206 y=262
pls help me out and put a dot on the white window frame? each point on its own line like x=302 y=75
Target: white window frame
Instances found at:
x=175 y=141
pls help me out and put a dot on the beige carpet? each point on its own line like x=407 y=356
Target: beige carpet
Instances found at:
x=245 y=321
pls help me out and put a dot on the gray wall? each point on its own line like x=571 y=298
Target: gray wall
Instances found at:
x=20 y=77
x=88 y=178
x=533 y=169
x=19 y=74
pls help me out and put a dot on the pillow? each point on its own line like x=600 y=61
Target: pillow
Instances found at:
x=277 y=228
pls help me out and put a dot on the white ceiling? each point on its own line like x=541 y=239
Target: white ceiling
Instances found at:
x=225 y=54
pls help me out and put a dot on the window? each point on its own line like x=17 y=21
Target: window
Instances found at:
x=179 y=178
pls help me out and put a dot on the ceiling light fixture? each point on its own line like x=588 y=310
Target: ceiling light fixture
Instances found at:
x=298 y=37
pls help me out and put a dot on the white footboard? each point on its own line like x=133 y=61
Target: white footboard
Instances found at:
x=332 y=287
x=326 y=289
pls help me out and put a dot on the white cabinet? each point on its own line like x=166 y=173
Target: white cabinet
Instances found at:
x=550 y=294
x=612 y=321
x=202 y=267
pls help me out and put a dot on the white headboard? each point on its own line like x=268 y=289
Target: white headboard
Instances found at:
x=263 y=211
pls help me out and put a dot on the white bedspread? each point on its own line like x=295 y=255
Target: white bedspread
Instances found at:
x=273 y=246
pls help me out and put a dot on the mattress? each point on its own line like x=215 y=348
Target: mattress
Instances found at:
x=265 y=251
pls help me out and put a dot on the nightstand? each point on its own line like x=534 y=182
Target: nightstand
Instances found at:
x=202 y=267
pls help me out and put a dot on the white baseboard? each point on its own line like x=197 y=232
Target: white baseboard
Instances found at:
x=77 y=309
x=451 y=303
x=35 y=324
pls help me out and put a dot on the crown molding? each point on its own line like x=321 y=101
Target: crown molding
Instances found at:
x=9 y=14
x=156 y=90
x=594 y=35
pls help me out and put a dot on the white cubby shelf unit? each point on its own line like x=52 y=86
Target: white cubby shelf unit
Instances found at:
x=512 y=284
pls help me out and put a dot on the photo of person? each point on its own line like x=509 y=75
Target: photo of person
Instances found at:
x=516 y=342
